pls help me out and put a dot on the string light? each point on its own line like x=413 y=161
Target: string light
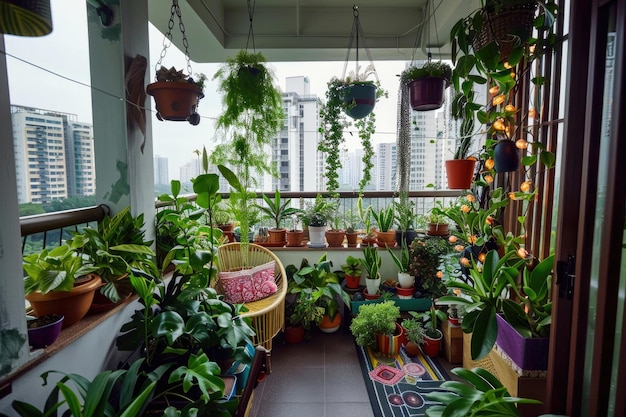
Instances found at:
x=494 y=90
x=499 y=99
x=521 y=144
x=525 y=186
x=498 y=125
x=490 y=163
x=488 y=179
x=510 y=108
x=532 y=113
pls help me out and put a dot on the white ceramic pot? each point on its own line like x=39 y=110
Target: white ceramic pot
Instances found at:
x=316 y=235
x=405 y=280
x=372 y=285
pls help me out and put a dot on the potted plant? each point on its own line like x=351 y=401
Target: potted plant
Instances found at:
x=315 y=217
x=111 y=249
x=479 y=393
x=353 y=270
x=44 y=330
x=384 y=219
x=371 y=263
x=365 y=215
x=277 y=212
x=57 y=282
x=323 y=285
x=425 y=258
x=437 y=224
x=414 y=333
x=375 y=325
x=352 y=235
x=405 y=280
x=405 y=220
x=301 y=314
x=493 y=47
x=356 y=97
x=295 y=234
x=427 y=84
x=177 y=95
x=335 y=235
x=252 y=114
x=432 y=335
x=456 y=312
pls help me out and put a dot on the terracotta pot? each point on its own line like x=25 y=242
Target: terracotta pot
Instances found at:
x=330 y=326
x=389 y=346
x=432 y=346
x=73 y=305
x=368 y=241
x=295 y=238
x=427 y=93
x=277 y=236
x=353 y=282
x=411 y=349
x=352 y=239
x=360 y=99
x=175 y=101
x=369 y=296
x=386 y=238
x=438 y=229
x=460 y=173
x=335 y=238
x=294 y=334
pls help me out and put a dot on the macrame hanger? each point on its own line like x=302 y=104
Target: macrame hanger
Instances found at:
x=167 y=40
x=251 y=7
x=357 y=31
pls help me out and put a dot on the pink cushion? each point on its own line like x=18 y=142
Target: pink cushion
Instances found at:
x=248 y=284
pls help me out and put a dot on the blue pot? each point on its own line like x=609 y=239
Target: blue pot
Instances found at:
x=360 y=99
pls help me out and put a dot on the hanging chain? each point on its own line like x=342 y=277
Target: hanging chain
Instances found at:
x=251 y=8
x=357 y=31
x=167 y=39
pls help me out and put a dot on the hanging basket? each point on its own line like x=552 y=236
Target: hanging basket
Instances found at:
x=427 y=93
x=506 y=27
x=506 y=156
x=25 y=17
x=460 y=173
x=176 y=101
x=359 y=99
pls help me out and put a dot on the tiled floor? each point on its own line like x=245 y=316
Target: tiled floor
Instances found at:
x=318 y=378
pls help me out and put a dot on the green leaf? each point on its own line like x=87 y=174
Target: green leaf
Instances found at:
x=231 y=178
x=485 y=332
x=482 y=116
x=489 y=55
x=548 y=159
x=136 y=407
x=516 y=56
x=465 y=64
x=529 y=160
x=168 y=324
x=477 y=79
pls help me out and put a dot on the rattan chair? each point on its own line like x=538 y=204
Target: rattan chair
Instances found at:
x=268 y=314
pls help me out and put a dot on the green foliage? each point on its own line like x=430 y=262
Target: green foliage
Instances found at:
x=318 y=213
x=318 y=281
x=403 y=262
x=352 y=266
x=11 y=342
x=252 y=114
x=430 y=320
x=483 y=300
x=31 y=209
x=54 y=269
x=433 y=69
x=115 y=246
x=276 y=211
x=414 y=329
x=304 y=312
x=425 y=258
x=405 y=214
x=371 y=262
x=384 y=218
x=479 y=394
x=373 y=319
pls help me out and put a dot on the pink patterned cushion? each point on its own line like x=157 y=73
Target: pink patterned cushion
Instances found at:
x=249 y=284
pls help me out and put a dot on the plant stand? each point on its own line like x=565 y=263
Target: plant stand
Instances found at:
x=527 y=385
x=452 y=342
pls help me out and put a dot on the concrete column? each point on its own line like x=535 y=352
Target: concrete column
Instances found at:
x=124 y=172
x=12 y=323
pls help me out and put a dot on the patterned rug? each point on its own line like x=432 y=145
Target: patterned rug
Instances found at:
x=396 y=386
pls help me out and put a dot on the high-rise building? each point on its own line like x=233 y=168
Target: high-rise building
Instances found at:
x=79 y=159
x=387 y=156
x=161 y=171
x=294 y=149
x=54 y=155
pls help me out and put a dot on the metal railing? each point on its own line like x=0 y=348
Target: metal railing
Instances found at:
x=53 y=228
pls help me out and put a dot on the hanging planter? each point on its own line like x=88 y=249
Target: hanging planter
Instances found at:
x=176 y=94
x=506 y=156
x=359 y=99
x=427 y=85
x=460 y=173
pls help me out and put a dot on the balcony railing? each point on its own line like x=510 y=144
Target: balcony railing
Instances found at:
x=40 y=231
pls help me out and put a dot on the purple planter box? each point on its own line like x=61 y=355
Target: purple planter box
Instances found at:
x=528 y=354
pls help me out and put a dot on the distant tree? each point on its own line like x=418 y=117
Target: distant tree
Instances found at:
x=71 y=203
x=30 y=209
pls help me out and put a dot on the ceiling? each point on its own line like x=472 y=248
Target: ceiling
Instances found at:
x=314 y=30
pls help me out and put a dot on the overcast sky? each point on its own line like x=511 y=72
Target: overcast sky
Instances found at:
x=65 y=52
